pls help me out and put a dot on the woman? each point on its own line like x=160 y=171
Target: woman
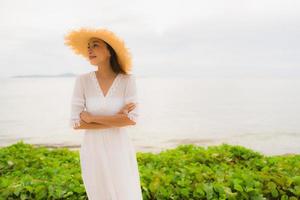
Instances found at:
x=104 y=103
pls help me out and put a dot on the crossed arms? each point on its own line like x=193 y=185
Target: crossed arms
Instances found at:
x=89 y=121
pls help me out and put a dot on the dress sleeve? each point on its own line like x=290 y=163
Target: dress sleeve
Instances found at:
x=77 y=103
x=131 y=96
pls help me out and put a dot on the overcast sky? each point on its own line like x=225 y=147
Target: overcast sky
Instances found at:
x=253 y=38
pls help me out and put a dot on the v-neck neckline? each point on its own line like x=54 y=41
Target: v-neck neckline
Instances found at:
x=109 y=89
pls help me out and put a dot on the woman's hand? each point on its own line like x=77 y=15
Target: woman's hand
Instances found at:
x=86 y=116
x=127 y=108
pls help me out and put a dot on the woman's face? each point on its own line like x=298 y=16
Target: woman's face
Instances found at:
x=98 y=51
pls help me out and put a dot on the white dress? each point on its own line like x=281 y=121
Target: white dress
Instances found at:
x=107 y=156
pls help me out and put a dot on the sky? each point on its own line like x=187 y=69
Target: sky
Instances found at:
x=230 y=38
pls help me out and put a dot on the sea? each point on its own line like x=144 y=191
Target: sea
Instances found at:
x=262 y=114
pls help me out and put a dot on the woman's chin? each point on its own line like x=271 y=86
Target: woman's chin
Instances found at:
x=93 y=62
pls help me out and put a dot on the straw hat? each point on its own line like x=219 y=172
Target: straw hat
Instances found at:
x=77 y=40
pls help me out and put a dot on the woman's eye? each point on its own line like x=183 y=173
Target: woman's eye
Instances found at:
x=93 y=45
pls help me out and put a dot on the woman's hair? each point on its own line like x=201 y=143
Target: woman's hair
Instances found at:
x=115 y=65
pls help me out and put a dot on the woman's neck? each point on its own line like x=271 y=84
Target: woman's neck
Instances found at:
x=105 y=71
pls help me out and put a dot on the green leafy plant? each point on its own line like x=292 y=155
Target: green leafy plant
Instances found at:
x=185 y=172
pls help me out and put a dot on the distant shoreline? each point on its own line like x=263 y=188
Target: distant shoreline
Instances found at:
x=44 y=76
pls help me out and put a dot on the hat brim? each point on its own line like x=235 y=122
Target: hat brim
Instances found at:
x=78 y=40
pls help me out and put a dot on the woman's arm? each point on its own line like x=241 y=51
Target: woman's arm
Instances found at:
x=117 y=120
x=84 y=125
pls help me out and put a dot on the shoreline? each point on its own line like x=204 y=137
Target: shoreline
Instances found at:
x=146 y=148
x=156 y=147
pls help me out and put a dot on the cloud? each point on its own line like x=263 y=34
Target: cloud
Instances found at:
x=217 y=36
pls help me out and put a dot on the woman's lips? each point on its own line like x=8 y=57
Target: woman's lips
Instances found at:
x=91 y=57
